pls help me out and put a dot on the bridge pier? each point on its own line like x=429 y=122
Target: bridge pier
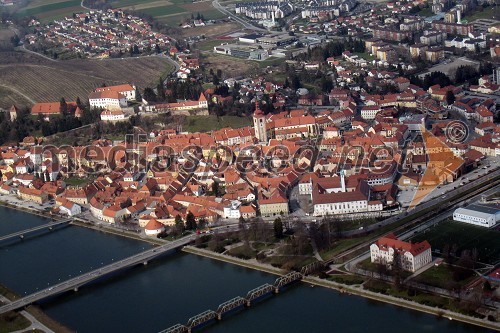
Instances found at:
x=75 y=289
x=145 y=263
x=21 y=236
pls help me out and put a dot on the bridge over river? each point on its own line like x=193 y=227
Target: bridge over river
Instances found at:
x=235 y=303
x=21 y=234
x=78 y=281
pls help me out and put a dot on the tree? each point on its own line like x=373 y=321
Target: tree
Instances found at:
x=138 y=96
x=179 y=224
x=190 y=221
x=202 y=223
x=215 y=188
x=149 y=95
x=450 y=97
x=278 y=228
x=63 y=107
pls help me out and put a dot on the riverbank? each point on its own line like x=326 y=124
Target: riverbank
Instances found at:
x=12 y=202
x=359 y=291
x=252 y=264
x=119 y=232
x=38 y=318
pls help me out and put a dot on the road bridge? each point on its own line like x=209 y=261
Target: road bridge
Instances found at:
x=21 y=234
x=78 y=281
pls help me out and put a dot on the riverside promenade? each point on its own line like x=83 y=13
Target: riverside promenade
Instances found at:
x=354 y=290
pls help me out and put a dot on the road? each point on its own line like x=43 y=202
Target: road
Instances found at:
x=424 y=226
x=78 y=281
x=27 y=231
x=241 y=21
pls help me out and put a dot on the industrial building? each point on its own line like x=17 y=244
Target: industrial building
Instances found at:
x=478 y=214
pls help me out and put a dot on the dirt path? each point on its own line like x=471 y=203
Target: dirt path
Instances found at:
x=18 y=92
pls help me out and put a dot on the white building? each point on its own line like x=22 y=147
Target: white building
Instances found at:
x=153 y=228
x=411 y=257
x=112 y=115
x=70 y=208
x=480 y=215
x=232 y=211
x=107 y=100
x=127 y=90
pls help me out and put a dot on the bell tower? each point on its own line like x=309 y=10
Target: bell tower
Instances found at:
x=259 y=124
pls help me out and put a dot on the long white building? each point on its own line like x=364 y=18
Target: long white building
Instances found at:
x=480 y=215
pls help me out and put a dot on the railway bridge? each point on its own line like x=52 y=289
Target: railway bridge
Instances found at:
x=235 y=303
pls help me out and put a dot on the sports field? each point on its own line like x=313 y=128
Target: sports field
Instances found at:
x=466 y=237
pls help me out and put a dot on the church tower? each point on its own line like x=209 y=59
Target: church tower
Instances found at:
x=259 y=124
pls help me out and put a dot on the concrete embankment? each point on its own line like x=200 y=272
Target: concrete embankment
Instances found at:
x=359 y=291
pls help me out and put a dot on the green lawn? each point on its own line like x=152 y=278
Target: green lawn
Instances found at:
x=365 y=55
x=51 y=11
x=49 y=7
x=209 y=45
x=174 y=20
x=76 y=181
x=208 y=123
x=426 y=12
x=126 y=3
x=164 y=10
x=13 y=321
x=442 y=277
x=347 y=279
x=482 y=13
x=466 y=237
x=271 y=61
x=341 y=245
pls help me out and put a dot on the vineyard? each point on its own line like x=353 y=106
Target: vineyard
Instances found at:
x=29 y=78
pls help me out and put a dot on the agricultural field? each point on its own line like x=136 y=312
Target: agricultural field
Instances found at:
x=211 y=30
x=49 y=10
x=230 y=66
x=466 y=237
x=35 y=79
x=5 y=36
x=172 y=12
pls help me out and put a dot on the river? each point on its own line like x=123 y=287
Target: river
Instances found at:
x=175 y=287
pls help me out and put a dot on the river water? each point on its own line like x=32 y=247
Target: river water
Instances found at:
x=175 y=287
